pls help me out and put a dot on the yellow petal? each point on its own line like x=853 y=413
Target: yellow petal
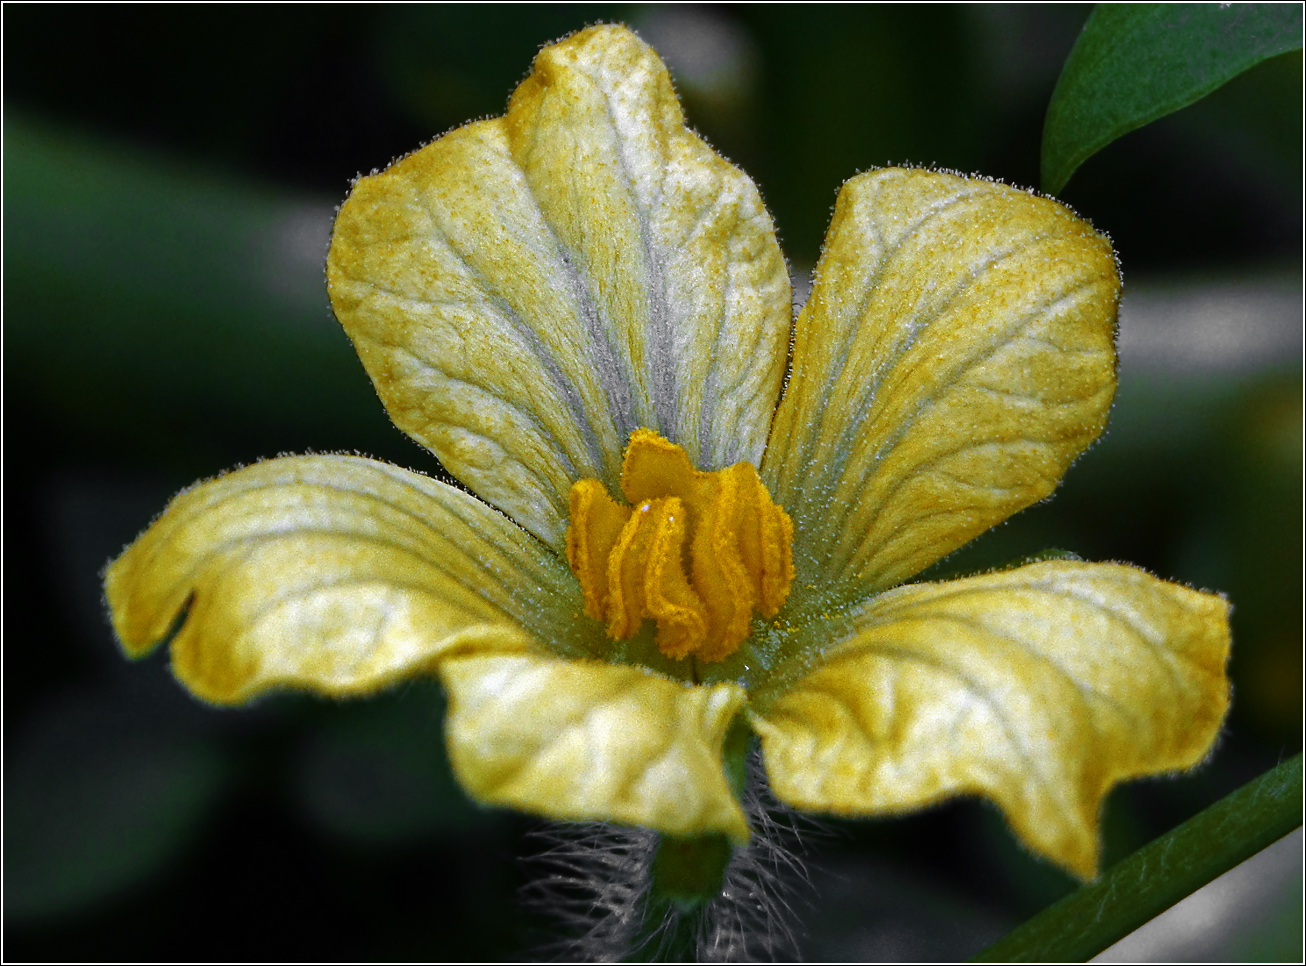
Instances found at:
x=1039 y=688
x=956 y=355
x=334 y=573
x=581 y=740
x=527 y=291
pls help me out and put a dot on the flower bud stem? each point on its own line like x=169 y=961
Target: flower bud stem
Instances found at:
x=688 y=872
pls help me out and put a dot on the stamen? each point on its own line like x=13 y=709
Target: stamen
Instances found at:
x=696 y=552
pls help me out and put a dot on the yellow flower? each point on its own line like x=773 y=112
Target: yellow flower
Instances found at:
x=695 y=513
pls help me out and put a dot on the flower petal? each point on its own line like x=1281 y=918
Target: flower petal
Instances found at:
x=334 y=573
x=956 y=355
x=582 y=740
x=1040 y=687
x=527 y=291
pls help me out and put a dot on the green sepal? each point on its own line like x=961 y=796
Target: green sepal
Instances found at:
x=688 y=873
x=734 y=753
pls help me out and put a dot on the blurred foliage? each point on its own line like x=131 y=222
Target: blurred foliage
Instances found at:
x=376 y=772
x=170 y=178
x=100 y=800
x=205 y=292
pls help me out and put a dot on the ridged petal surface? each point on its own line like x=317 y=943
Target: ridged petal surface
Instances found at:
x=955 y=356
x=583 y=740
x=527 y=291
x=337 y=574
x=1039 y=687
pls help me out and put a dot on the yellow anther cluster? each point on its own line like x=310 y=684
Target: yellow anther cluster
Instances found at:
x=696 y=552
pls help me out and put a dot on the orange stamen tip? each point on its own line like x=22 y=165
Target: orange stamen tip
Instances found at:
x=696 y=552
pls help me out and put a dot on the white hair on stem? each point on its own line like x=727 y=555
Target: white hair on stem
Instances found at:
x=593 y=881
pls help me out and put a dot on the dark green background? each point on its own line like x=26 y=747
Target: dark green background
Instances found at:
x=167 y=176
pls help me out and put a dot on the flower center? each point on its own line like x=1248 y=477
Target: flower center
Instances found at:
x=696 y=552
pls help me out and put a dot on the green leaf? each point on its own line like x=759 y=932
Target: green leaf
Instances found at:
x=1161 y=873
x=1134 y=63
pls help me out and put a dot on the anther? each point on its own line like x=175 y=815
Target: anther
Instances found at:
x=704 y=551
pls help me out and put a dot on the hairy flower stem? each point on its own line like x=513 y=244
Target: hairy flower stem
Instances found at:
x=630 y=894
x=689 y=873
x=672 y=934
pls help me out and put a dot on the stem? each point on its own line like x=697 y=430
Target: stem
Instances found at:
x=1161 y=873
x=688 y=872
